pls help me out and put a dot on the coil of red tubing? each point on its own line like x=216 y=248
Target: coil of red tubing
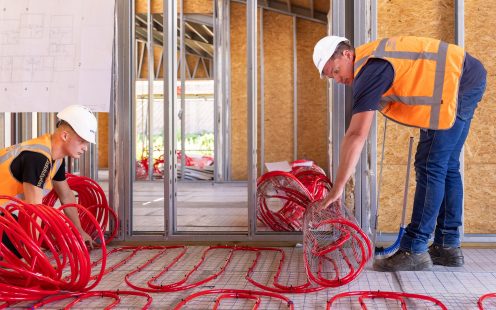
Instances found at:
x=91 y=196
x=54 y=256
x=282 y=197
x=335 y=249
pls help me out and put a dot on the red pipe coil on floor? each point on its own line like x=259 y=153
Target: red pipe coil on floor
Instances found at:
x=91 y=196
x=50 y=246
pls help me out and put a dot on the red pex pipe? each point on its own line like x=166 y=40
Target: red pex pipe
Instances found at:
x=183 y=285
x=386 y=295
x=251 y=294
x=39 y=273
x=80 y=297
x=219 y=299
x=484 y=297
x=91 y=196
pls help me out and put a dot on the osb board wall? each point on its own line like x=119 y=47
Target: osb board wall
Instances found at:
x=397 y=17
x=480 y=148
x=312 y=105
x=103 y=140
x=278 y=86
x=190 y=6
x=198 y=6
x=239 y=113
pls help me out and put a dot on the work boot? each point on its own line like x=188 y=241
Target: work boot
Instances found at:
x=446 y=256
x=404 y=261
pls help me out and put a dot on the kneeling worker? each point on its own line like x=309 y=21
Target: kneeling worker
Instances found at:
x=37 y=165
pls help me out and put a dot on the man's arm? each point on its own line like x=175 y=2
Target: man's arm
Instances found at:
x=32 y=194
x=351 y=147
x=66 y=196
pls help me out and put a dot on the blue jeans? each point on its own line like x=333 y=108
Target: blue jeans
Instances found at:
x=438 y=201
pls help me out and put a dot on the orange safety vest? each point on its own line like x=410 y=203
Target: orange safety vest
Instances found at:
x=9 y=185
x=427 y=72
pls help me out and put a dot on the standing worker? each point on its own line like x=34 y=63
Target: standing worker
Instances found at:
x=418 y=82
x=34 y=166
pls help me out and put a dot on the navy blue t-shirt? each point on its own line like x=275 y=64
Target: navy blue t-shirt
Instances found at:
x=377 y=75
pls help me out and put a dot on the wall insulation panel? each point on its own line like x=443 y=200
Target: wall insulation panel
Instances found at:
x=239 y=113
x=419 y=18
x=480 y=148
x=312 y=104
x=278 y=86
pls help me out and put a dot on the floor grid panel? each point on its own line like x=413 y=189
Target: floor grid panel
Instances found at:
x=457 y=288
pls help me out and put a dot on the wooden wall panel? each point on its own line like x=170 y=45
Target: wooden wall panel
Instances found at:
x=312 y=103
x=239 y=113
x=480 y=148
x=103 y=140
x=198 y=6
x=278 y=86
x=396 y=17
x=190 y=6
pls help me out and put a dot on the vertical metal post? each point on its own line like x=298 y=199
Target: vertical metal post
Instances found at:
x=460 y=40
x=34 y=124
x=221 y=86
x=227 y=90
x=251 y=68
x=3 y=132
x=295 y=93
x=151 y=78
x=262 y=93
x=183 y=89
x=339 y=98
x=170 y=94
x=8 y=129
x=120 y=170
x=365 y=175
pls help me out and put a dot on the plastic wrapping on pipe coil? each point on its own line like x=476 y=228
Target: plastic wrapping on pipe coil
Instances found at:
x=335 y=248
x=282 y=197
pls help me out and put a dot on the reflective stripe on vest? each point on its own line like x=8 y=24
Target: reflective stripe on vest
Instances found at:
x=439 y=80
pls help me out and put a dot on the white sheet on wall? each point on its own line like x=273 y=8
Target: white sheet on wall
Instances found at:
x=54 y=53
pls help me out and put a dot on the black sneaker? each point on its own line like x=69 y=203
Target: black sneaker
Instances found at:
x=404 y=261
x=450 y=256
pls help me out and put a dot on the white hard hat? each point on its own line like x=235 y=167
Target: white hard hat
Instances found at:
x=324 y=49
x=82 y=120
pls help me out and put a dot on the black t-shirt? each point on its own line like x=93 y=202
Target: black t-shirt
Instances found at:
x=377 y=75
x=34 y=168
